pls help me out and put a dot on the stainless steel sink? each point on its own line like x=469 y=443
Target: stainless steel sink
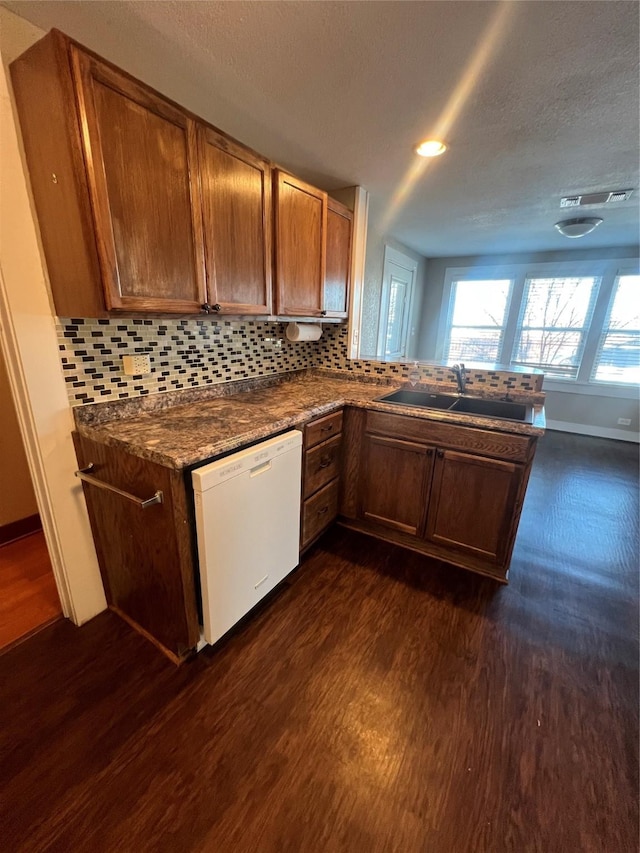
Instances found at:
x=502 y=409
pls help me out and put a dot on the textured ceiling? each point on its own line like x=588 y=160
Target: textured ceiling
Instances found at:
x=535 y=99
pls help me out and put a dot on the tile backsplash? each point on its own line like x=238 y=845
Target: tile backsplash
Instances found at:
x=187 y=353
x=184 y=353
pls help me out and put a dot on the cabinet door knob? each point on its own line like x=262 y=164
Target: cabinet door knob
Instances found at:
x=324 y=313
x=440 y=454
x=206 y=307
x=430 y=451
x=215 y=307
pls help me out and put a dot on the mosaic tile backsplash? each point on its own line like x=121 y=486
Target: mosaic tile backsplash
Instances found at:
x=187 y=353
x=333 y=355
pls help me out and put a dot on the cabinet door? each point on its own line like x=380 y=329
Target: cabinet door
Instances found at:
x=472 y=504
x=337 y=275
x=396 y=477
x=145 y=555
x=301 y=234
x=236 y=208
x=140 y=153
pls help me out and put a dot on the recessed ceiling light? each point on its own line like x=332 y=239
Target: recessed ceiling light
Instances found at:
x=578 y=227
x=431 y=148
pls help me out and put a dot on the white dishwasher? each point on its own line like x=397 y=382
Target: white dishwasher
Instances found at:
x=248 y=527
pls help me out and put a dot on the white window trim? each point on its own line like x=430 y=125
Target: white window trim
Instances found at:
x=607 y=270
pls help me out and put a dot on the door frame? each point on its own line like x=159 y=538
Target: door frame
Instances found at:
x=20 y=393
x=393 y=256
x=30 y=347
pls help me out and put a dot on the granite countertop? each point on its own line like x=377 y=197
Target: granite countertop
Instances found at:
x=183 y=434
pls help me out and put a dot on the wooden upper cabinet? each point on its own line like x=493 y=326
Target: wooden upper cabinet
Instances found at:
x=301 y=235
x=45 y=100
x=143 y=207
x=236 y=208
x=113 y=170
x=141 y=160
x=337 y=277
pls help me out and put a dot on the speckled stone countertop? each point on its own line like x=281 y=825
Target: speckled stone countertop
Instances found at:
x=183 y=434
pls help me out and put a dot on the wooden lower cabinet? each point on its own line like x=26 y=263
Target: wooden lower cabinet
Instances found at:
x=417 y=485
x=452 y=492
x=318 y=512
x=145 y=555
x=396 y=483
x=321 y=467
x=472 y=503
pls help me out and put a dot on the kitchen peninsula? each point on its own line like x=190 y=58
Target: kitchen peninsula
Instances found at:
x=447 y=484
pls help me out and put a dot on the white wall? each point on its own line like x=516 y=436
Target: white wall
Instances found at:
x=30 y=347
x=372 y=286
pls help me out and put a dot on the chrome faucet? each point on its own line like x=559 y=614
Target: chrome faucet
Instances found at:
x=461 y=376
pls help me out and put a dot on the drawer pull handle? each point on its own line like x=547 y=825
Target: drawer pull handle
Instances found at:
x=324 y=463
x=323 y=511
x=84 y=475
x=326 y=428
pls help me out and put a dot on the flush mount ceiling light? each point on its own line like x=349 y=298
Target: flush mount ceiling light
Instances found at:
x=431 y=148
x=578 y=227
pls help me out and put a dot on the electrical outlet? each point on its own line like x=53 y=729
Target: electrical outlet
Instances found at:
x=624 y=421
x=136 y=365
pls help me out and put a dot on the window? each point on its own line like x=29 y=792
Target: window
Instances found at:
x=555 y=317
x=618 y=356
x=577 y=321
x=478 y=318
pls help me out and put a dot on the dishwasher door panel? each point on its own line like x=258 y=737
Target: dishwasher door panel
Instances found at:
x=248 y=534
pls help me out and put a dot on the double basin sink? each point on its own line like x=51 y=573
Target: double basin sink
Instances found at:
x=501 y=409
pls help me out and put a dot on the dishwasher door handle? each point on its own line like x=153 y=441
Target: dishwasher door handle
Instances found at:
x=260 y=469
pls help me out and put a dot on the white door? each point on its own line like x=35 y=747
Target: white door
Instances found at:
x=396 y=300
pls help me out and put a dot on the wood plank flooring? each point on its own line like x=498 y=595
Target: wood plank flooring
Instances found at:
x=28 y=595
x=380 y=702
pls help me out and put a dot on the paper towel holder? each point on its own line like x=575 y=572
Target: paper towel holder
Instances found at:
x=303 y=331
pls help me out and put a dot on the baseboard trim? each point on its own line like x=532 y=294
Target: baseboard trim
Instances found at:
x=18 y=529
x=598 y=432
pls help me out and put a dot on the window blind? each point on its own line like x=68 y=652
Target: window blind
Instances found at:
x=618 y=356
x=555 y=316
x=478 y=318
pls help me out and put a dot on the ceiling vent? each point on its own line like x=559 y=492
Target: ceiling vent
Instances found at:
x=595 y=198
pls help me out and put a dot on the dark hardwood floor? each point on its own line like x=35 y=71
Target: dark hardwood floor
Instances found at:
x=28 y=595
x=380 y=702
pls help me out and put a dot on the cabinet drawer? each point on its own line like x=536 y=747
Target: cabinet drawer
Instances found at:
x=516 y=448
x=322 y=429
x=318 y=512
x=321 y=465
